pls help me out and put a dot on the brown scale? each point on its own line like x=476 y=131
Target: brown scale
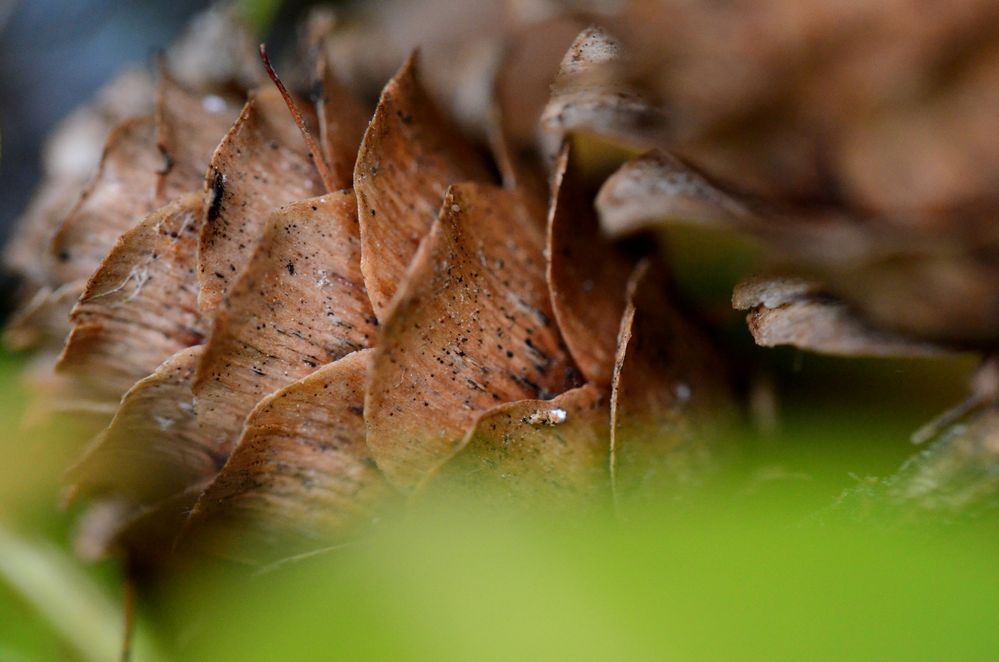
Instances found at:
x=478 y=278
x=409 y=156
x=279 y=324
x=141 y=305
x=301 y=475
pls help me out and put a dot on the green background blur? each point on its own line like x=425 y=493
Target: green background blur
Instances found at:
x=760 y=569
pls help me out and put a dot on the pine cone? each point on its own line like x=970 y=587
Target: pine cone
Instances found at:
x=281 y=319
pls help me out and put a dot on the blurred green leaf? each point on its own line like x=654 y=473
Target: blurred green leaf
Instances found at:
x=68 y=601
x=719 y=583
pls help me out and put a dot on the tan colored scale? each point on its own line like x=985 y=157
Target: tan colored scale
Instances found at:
x=121 y=195
x=71 y=155
x=670 y=395
x=143 y=167
x=592 y=95
x=43 y=322
x=189 y=127
x=260 y=165
x=472 y=328
x=298 y=304
x=900 y=272
x=410 y=154
x=301 y=475
x=656 y=187
x=521 y=89
x=141 y=305
x=147 y=534
x=216 y=51
x=791 y=311
x=535 y=453
x=26 y=252
x=155 y=446
x=587 y=274
x=58 y=405
x=342 y=123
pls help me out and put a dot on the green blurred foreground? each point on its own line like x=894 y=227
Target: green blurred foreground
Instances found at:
x=760 y=570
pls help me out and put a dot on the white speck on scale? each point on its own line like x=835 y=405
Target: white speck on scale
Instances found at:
x=555 y=416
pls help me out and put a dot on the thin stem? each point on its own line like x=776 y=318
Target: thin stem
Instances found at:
x=314 y=152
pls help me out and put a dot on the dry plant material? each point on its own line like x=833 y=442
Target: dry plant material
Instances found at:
x=410 y=154
x=657 y=187
x=850 y=104
x=515 y=362
x=460 y=44
x=472 y=328
x=910 y=283
x=141 y=305
x=146 y=534
x=552 y=453
x=301 y=475
x=524 y=78
x=188 y=129
x=791 y=311
x=261 y=164
x=524 y=73
x=938 y=153
x=26 y=252
x=43 y=322
x=155 y=446
x=298 y=304
x=670 y=394
x=69 y=158
x=121 y=195
x=899 y=272
x=342 y=122
x=593 y=95
x=587 y=275
x=315 y=152
x=56 y=403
